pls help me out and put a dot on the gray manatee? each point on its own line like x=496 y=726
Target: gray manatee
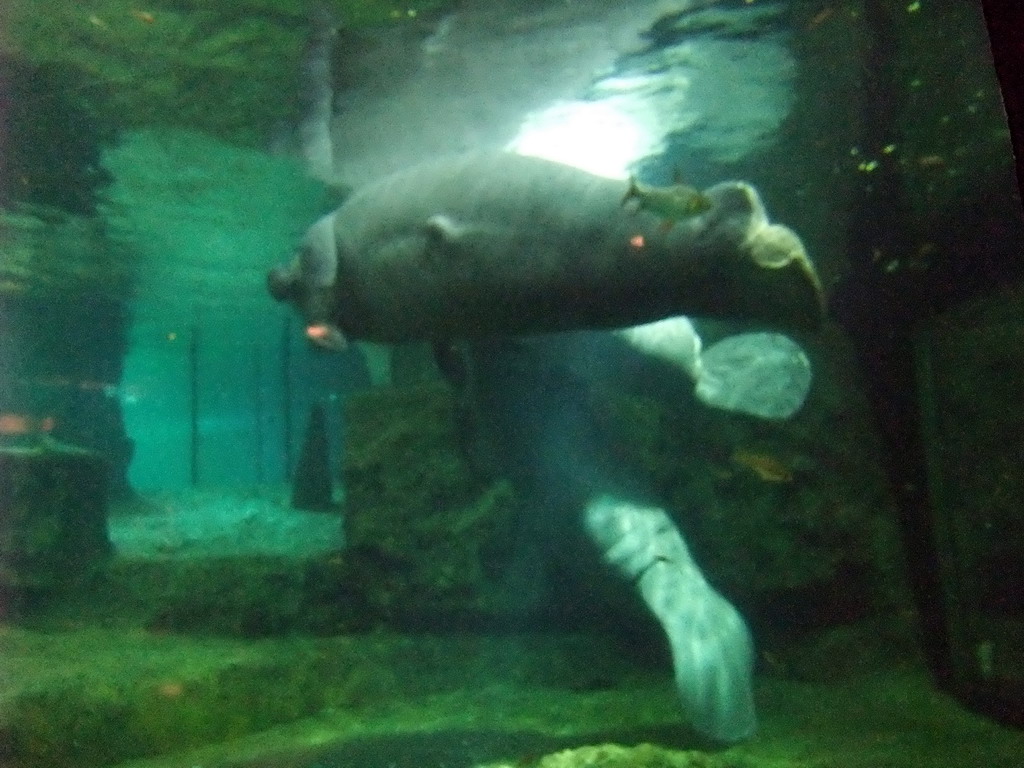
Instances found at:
x=497 y=244
x=487 y=246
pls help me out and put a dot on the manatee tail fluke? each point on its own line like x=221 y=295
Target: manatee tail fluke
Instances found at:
x=711 y=647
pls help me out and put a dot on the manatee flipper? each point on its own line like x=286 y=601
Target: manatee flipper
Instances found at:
x=453 y=242
x=308 y=282
x=673 y=340
x=442 y=228
x=326 y=336
x=761 y=374
x=712 y=650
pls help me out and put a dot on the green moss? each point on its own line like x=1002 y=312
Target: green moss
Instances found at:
x=53 y=507
x=91 y=698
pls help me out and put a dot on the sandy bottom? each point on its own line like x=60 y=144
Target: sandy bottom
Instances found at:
x=222 y=522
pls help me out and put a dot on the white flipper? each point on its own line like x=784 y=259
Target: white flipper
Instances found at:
x=711 y=647
x=673 y=340
x=761 y=374
x=766 y=375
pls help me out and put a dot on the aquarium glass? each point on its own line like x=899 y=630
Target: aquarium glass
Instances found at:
x=458 y=383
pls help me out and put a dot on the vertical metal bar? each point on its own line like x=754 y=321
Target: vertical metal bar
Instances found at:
x=286 y=395
x=193 y=371
x=257 y=410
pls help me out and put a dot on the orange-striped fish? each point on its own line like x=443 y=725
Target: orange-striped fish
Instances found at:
x=764 y=465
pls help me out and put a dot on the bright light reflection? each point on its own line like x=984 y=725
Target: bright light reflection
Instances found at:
x=603 y=137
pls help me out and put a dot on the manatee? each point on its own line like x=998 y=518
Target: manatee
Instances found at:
x=501 y=244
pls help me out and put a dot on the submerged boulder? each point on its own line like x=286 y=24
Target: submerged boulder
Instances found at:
x=53 y=520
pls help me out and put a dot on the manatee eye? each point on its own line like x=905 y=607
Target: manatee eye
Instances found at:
x=281 y=284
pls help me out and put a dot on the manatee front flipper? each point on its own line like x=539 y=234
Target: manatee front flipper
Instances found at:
x=308 y=282
x=711 y=647
x=761 y=374
x=766 y=375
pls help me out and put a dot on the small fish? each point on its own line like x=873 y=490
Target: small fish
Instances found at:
x=672 y=204
x=764 y=465
x=13 y=424
x=146 y=17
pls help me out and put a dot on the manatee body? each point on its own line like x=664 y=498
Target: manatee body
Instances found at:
x=498 y=244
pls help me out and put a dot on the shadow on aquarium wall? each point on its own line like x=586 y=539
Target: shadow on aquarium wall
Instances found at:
x=443 y=383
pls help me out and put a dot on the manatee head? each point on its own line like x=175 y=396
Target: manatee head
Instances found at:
x=307 y=283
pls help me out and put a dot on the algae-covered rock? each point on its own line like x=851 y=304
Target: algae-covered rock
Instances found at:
x=91 y=697
x=53 y=525
x=775 y=515
x=426 y=537
x=228 y=69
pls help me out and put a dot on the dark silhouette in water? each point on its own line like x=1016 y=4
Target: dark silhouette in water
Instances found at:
x=311 y=486
x=50 y=148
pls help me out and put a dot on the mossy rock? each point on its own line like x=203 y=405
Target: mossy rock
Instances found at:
x=98 y=697
x=645 y=756
x=426 y=537
x=772 y=513
x=53 y=506
x=227 y=69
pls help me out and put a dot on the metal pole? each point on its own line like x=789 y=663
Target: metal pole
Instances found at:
x=286 y=395
x=257 y=410
x=193 y=370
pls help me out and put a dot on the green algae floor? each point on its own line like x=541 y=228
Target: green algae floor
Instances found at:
x=91 y=697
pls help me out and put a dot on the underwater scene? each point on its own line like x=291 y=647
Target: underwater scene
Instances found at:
x=496 y=384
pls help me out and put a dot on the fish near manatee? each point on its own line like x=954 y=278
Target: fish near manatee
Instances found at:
x=672 y=204
x=499 y=244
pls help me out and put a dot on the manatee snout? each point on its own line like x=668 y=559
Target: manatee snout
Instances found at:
x=282 y=283
x=288 y=283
